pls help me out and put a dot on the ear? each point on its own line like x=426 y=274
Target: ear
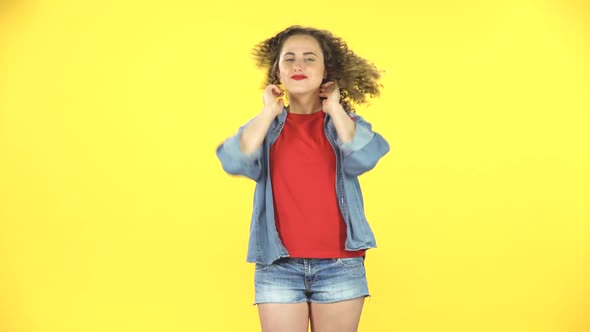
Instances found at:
x=276 y=72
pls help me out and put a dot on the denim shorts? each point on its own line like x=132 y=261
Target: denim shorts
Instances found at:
x=295 y=280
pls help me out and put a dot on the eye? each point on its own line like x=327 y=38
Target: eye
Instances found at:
x=290 y=60
x=310 y=59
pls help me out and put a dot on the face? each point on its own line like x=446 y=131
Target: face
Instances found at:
x=301 y=64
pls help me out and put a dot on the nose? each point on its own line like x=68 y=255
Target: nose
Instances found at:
x=298 y=66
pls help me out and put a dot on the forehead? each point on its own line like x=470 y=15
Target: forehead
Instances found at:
x=301 y=44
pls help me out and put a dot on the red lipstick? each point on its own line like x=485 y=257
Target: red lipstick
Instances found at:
x=298 y=77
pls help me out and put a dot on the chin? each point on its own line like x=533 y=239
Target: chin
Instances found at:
x=301 y=90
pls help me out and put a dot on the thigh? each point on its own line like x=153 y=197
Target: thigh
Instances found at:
x=339 y=279
x=343 y=316
x=282 y=317
x=281 y=282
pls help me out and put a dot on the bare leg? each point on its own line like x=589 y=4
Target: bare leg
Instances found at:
x=280 y=317
x=341 y=316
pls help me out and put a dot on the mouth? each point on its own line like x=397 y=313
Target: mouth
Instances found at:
x=298 y=77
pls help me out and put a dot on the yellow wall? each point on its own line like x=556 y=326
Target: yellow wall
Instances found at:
x=115 y=214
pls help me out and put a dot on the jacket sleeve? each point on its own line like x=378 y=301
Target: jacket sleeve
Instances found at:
x=236 y=162
x=365 y=149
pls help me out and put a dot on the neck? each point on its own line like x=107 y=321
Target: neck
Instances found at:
x=304 y=104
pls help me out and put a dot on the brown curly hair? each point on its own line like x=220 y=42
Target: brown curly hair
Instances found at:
x=355 y=76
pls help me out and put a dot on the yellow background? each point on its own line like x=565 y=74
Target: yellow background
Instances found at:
x=115 y=214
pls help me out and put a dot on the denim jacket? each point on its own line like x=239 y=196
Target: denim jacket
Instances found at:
x=352 y=159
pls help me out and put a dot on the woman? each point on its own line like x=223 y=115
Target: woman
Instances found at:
x=308 y=232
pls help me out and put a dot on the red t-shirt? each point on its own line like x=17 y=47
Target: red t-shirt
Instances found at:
x=303 y=176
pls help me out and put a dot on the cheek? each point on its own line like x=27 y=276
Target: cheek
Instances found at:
x=283 y=72
x=319 y=70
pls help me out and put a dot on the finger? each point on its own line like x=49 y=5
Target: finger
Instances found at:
x=328 y=84
x=277 y=91
x=270 y=89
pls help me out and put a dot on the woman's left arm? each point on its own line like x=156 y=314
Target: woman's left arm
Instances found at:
x=361 y=147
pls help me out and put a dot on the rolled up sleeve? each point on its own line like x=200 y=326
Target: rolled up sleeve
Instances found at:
x=236 y=162
x=365 y=149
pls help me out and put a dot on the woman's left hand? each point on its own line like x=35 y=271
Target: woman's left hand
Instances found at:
x=331 y=93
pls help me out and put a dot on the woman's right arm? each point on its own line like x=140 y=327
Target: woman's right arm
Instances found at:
x=241 y=154
x=254 y=133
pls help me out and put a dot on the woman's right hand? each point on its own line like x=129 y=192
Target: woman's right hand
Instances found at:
x=254 y=133
x=272 y=100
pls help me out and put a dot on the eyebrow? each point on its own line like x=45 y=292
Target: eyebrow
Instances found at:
x=306 y=53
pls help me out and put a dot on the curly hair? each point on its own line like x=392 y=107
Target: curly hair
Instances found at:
x=355 y=76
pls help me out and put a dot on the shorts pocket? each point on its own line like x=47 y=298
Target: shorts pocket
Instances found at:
x=262 y=267
x=352 y=261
